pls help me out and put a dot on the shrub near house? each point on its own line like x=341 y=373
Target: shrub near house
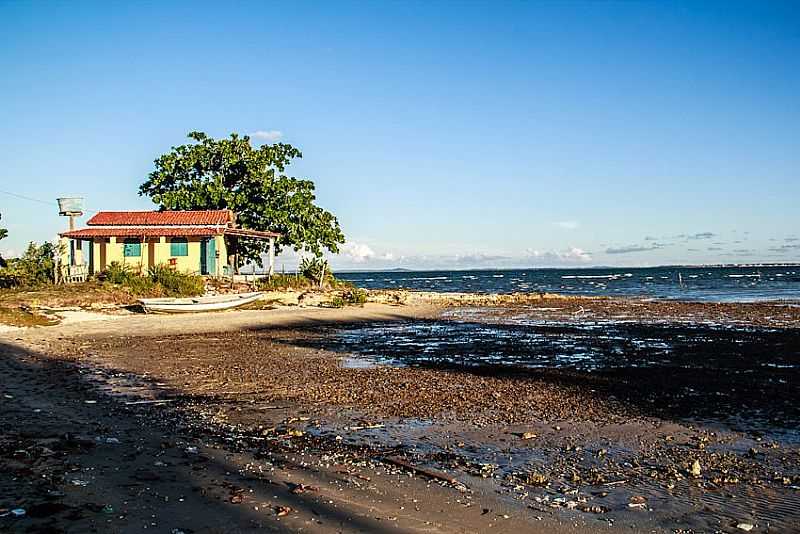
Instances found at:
x=160 y=280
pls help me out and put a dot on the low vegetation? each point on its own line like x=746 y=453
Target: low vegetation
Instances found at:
x=160 y=280
x=313 y=273
x=35 y=268
x=353 y=296
x=315 y=270
x=23 y=317
x=286 y=282
x=88 y=294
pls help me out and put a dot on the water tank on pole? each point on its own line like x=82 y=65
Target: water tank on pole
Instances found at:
x=70 y=206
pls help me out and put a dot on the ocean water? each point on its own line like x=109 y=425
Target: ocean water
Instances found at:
x=713 y=284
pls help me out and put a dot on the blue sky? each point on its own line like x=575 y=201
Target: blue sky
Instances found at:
x=441 y=134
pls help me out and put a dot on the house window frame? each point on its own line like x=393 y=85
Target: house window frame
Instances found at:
x=129 y=245
x=179 y=252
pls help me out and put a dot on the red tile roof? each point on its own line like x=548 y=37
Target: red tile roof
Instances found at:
x=175 y=231
x=156 y=218
x=140 y=224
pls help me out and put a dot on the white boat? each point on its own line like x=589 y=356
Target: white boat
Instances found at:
x=199 y=304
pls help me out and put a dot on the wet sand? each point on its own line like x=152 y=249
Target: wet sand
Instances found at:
x=270 y=398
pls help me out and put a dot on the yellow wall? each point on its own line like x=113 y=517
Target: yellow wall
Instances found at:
x=222 y=254
x=189 y=263
x=162 y=254
x=114 y=253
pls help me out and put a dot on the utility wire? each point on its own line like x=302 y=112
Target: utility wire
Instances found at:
x=40 y=201
x=28 y=198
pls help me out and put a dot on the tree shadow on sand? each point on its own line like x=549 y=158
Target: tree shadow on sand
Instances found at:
x=78 y=460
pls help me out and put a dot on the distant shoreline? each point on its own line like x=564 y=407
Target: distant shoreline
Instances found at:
x=573 y=267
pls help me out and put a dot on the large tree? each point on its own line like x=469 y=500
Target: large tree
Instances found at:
x=232 y=174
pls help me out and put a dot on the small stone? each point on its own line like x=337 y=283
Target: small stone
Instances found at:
x=528 y=435
x=536 y=479
x=696 y=470
x=747 y=527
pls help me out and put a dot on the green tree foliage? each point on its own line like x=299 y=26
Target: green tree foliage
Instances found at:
x=232 y=174
x=35 y=267
x=3 y=235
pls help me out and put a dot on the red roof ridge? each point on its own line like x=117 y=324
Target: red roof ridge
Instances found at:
x=160 y=218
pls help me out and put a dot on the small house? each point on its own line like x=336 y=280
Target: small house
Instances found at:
x=188 y=241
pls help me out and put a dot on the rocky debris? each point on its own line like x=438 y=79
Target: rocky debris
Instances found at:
x=443 y=299
x=695 y=469
x=567 y=472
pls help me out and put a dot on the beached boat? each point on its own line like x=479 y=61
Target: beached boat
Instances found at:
x=199 y=304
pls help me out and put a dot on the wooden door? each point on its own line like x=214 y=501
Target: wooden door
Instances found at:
x=208 y=256
x=151 y=254
x=211 y=258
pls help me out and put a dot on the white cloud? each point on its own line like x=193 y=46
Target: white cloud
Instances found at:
x=627 y=249
x=568 y=225
x=357 y=252
x=268 y=135
x=570 y=255
x=361 y=254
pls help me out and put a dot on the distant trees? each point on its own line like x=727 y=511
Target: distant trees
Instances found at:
x=37 y=264
x=3 y=235
x=36 y=267
x=232 y=174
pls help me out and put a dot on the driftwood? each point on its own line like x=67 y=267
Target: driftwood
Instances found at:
x=156 y=401
x=430 y=473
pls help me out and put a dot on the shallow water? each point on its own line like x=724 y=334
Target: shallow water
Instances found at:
x=737 y=384
x=717 y=284
x=743 y=378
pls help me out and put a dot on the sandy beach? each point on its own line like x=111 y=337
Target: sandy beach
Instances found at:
x=285 y=420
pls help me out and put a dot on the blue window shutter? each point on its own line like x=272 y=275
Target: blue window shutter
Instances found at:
x=132 y=248
x=178 y=246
